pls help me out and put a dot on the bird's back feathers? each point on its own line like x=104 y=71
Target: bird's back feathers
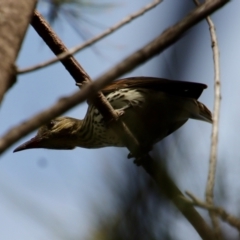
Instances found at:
x=173 y=87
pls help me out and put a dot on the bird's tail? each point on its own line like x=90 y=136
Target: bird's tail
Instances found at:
x=201 y=112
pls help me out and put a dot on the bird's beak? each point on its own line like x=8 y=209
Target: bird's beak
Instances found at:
x=35 y=142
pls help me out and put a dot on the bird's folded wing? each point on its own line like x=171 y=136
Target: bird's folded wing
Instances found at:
x=173 y=87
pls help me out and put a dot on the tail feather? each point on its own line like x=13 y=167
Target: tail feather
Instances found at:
x=202 y=113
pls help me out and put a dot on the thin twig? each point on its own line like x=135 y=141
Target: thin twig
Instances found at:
x=93 y=40
x=225 y=216
x=216 y=112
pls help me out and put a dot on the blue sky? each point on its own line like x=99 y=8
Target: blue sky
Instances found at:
x=47 y=194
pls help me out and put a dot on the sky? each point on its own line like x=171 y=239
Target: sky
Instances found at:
x=49 y=194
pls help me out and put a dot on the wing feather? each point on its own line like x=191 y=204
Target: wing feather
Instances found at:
x=173 y=87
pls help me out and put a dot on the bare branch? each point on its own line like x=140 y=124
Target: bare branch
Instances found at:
x=214 y=141
x=93 y=40
x=216 y=112
x=57 y=46
x=226 y=217
x=14 y=20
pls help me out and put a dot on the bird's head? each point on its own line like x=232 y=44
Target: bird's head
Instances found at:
x=60 y=133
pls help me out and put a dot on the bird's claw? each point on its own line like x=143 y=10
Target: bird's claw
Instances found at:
x=136 y=161
x=129 y=105
x=120 y=112
x=139 y=161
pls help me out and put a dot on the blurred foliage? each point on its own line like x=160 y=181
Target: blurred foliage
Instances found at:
x=74 y=7
x=140 y=212
x=76 y=13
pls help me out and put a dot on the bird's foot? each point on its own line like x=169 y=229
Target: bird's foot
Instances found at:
x=122 y=110
x=129 y=156
x=119 y=112
x=139 y=160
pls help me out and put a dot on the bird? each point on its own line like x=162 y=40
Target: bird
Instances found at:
x=152 y=108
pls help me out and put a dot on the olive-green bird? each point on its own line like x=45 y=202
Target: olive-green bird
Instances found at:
x=152 y=109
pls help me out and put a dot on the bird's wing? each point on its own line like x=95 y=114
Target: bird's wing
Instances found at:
x=173 y=87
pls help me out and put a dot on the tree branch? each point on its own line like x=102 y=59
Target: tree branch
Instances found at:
x=225 y=216
x=214 y=140
x=14 y=20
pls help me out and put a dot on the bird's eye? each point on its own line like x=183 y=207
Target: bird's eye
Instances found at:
x=51 y=124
